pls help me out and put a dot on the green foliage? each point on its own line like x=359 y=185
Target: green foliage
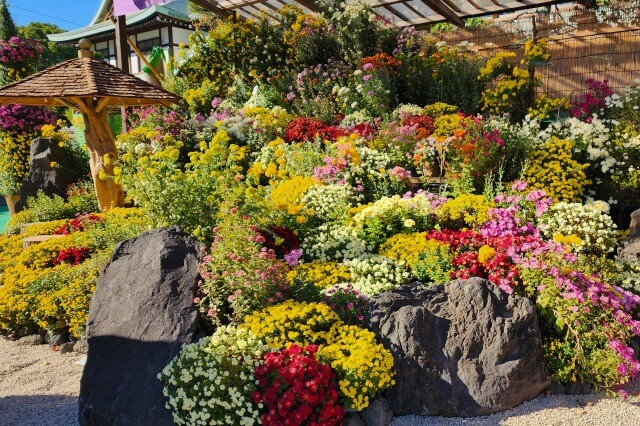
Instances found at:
x=53 y=53
x=8 y=28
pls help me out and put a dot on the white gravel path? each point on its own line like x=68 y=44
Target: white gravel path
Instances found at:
x=39 y=387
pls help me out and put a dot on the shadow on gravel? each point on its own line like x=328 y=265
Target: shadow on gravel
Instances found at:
x=39 y=410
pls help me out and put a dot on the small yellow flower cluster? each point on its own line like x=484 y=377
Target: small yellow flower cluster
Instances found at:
x=554 y=170
x=446 y=124
x=287 y=195
x=547 y=107
x=485 y=253
x=571 y=240
x=363 y=366
x=536 y=51
x=321 y=274
x=293 y=322
x=498 y=64
x=464 y=211
x=405 y=247
x=439 y=109
x=14 y=161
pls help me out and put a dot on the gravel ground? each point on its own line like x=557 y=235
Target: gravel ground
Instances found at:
x=555 y=410
x=39 y=387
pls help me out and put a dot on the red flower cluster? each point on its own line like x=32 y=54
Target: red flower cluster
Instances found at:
x=382 y=61
x=78 y=223
x=304 y=129
x=279 y=239
x=424 y=125
x=72 y=256
x=592 y=100
x=297 y=389
x=499 y=269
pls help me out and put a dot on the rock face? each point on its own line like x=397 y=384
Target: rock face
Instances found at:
x=44 y=177
x=464 y=349
x=630 y=249
x=140 y=316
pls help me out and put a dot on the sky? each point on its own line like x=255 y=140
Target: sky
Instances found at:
x=67 y=14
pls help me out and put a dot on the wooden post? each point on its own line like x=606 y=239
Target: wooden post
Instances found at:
x=100 y=143
x=122 y=55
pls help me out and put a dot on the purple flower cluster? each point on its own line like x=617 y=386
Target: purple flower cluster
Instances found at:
x=16 y=50
x=25 y=120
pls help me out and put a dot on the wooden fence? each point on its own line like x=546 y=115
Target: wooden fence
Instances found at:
x=602 y=44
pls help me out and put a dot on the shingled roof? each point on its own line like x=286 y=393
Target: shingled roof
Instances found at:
x=84 y=78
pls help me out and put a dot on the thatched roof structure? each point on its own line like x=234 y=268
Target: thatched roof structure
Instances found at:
x=67 y=82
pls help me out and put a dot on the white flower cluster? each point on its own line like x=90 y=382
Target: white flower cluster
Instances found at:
x=593 y=138
x=331 y=242
x=589 y=222
x=210 y=382
x=329 y=202
x=407 y=110
x=372 y=162
x=376 y=274
x=412 y=212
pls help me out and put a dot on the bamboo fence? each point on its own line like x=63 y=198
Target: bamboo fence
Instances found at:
x=599 y=44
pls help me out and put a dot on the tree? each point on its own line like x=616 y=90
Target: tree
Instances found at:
x=53 y=53
x=8 y=28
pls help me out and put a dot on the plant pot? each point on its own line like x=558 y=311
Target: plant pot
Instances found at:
x=13 y=203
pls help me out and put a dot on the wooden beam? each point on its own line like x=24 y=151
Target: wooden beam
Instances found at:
x=102 y=103
x=310 y=4
x=84 y=108
x=210 y=6
x=71 y=105
x=122 y=52
x=442 y=9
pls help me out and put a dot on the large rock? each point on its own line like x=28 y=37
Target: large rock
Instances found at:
x=464 y=349
x=630 y=249
x=140 y=316
x=42 y=176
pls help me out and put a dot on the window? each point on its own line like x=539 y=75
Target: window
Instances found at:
x=146 y=46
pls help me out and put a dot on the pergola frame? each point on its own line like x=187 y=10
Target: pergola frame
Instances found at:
x=402 y=13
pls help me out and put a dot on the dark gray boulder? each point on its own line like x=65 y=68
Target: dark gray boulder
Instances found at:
x=464 y=349
x=42 y=176
x=141 y=314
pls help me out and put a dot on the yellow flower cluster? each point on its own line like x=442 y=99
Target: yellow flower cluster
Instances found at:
x=287 y=195
x=554 y=170
x=321 y=274
x=547 y=107
x=20 y=304
x=293 y=322
x=362 y=365
x=446 y=124
x=570 y=240
x=273 y=119
x=498 y=64
x=405 y=247
x=43 y=228
x=485 y=253
x=506 y=91
x=536 y=51
x=14 y=161
x=464 y=211
x=439 y=109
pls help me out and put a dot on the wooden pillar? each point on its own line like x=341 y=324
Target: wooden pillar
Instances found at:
x=100 y=143
x=122 y=55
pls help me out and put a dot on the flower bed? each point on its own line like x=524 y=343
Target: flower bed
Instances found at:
x=334 y=159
